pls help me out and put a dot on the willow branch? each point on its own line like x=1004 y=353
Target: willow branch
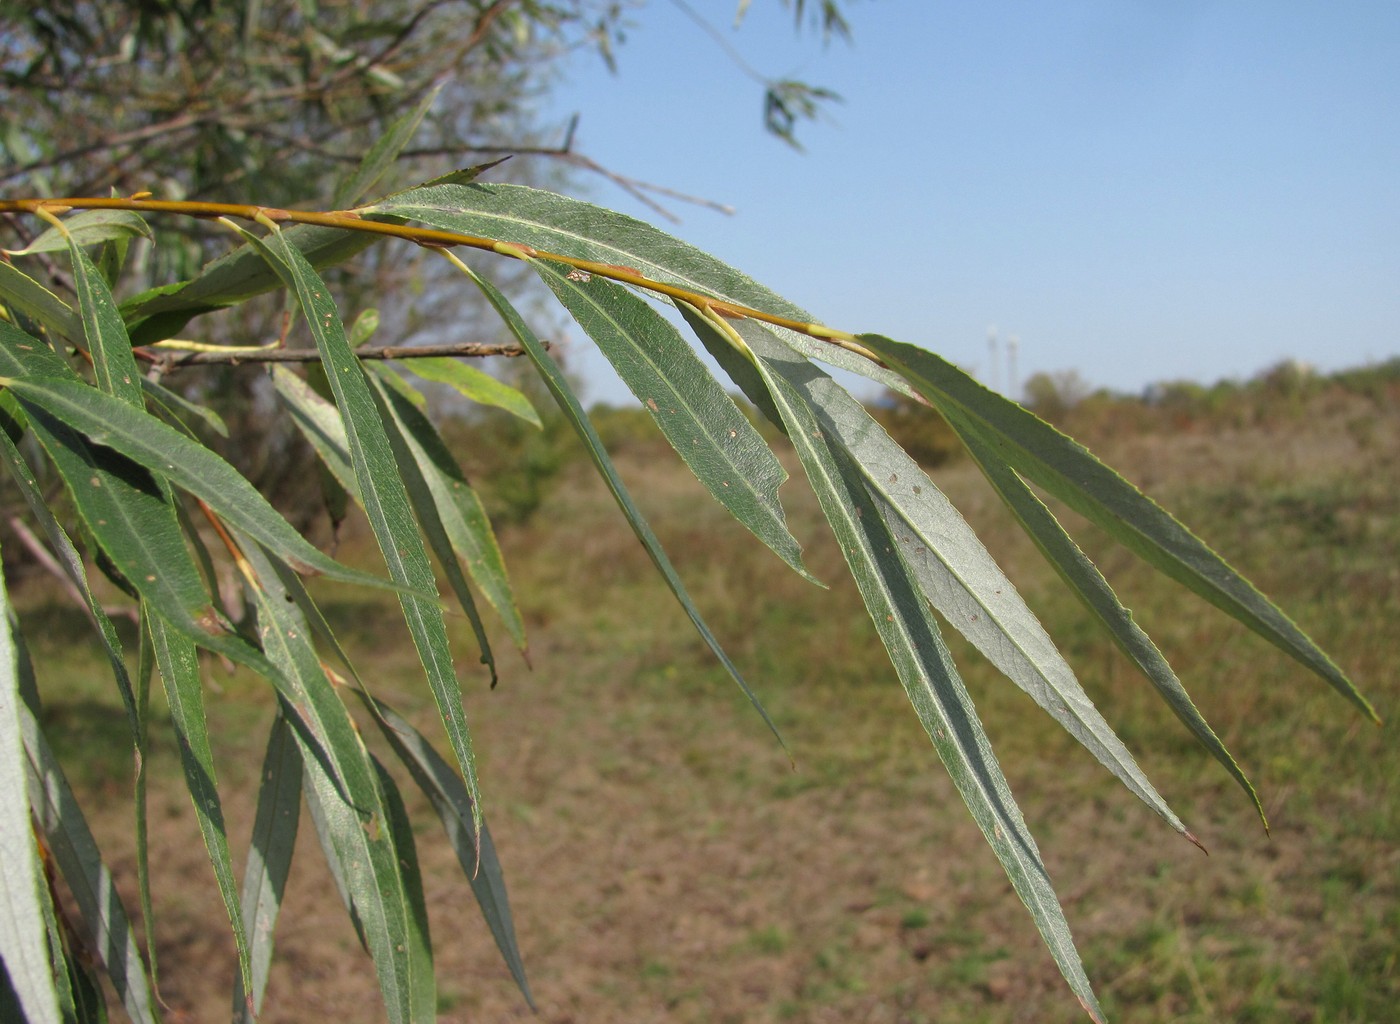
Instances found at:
x=355 y=220
x=174 y=358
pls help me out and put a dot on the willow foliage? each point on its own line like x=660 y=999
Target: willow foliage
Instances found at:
x=135 y=471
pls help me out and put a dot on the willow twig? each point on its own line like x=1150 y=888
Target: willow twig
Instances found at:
x=354 y=220
x=174 y=359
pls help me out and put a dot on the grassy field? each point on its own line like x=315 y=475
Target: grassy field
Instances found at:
x=667 y=864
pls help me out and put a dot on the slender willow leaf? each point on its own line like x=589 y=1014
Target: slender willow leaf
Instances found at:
x=420 y=945
x=29 y=297
x=178 y=661
x=113 y=363
x=1067 y=470
x=269 y=861
x=955 y=571
x=463 y=516
x=910 y=634
x=89 y=227
x=368 y=881
x=568 y=227
x=189 y=465
x=476 y=385
x=126 y=512
x=68 y=837
x=161 y=312
x=450 y=799
x=1088 y=583
x=72 y=564
x=233 y=278
x=344 y=795
x=382 y=492
x=145 y=668
x=707 y=430
x=24 y=940
x=384 y=152
x=72 y=983
x=451 y=517
x=175 y=403
x=320 y=423
x=447 y=508
x=568 y=403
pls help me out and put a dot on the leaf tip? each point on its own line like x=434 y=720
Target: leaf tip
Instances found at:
x=1093 y=1011
x=1200 y=845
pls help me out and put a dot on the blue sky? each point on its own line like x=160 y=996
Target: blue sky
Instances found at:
x=1138 y=190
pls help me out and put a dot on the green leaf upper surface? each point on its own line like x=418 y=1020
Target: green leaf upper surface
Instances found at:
x=113 y=363
x=450 y=799
x=89 y=227
x=707 y=430
x=384 y=152
x=476 y=385
x=1072 y=474
x=955 y=571
x=107 y=928
x=236 y=276
x=569 y=227
x=269 y=861
x=1088 y=583
x=382 y=491
x=24 y=940
x=568 y=403
x=178 y=660
x=343 y=790
x=72 y=564
x=29 y=297
x=450 y=513
x=925 y=668
x=189 y=465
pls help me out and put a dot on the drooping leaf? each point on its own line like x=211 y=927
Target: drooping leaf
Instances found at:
x=1072 y=474
x=145 y=669
x=570 y=227
x=185 y=463
x=178 y=661
x=113 y=363
x=1088 y=583
x=66 y=833
x=346 y=801
x=475 y=385
x=320 y=423
x=568 y=403
x=955 y=571
x=450 y=799
x=24 y=939
x=911 y=636
x=420 y=946
x=269 y=861
x=382 y=493
x=72 y=564
x=706 y=429
x=451 y=517
x=29 y=297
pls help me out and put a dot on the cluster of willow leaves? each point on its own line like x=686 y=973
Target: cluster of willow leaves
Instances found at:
x=147 y=502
